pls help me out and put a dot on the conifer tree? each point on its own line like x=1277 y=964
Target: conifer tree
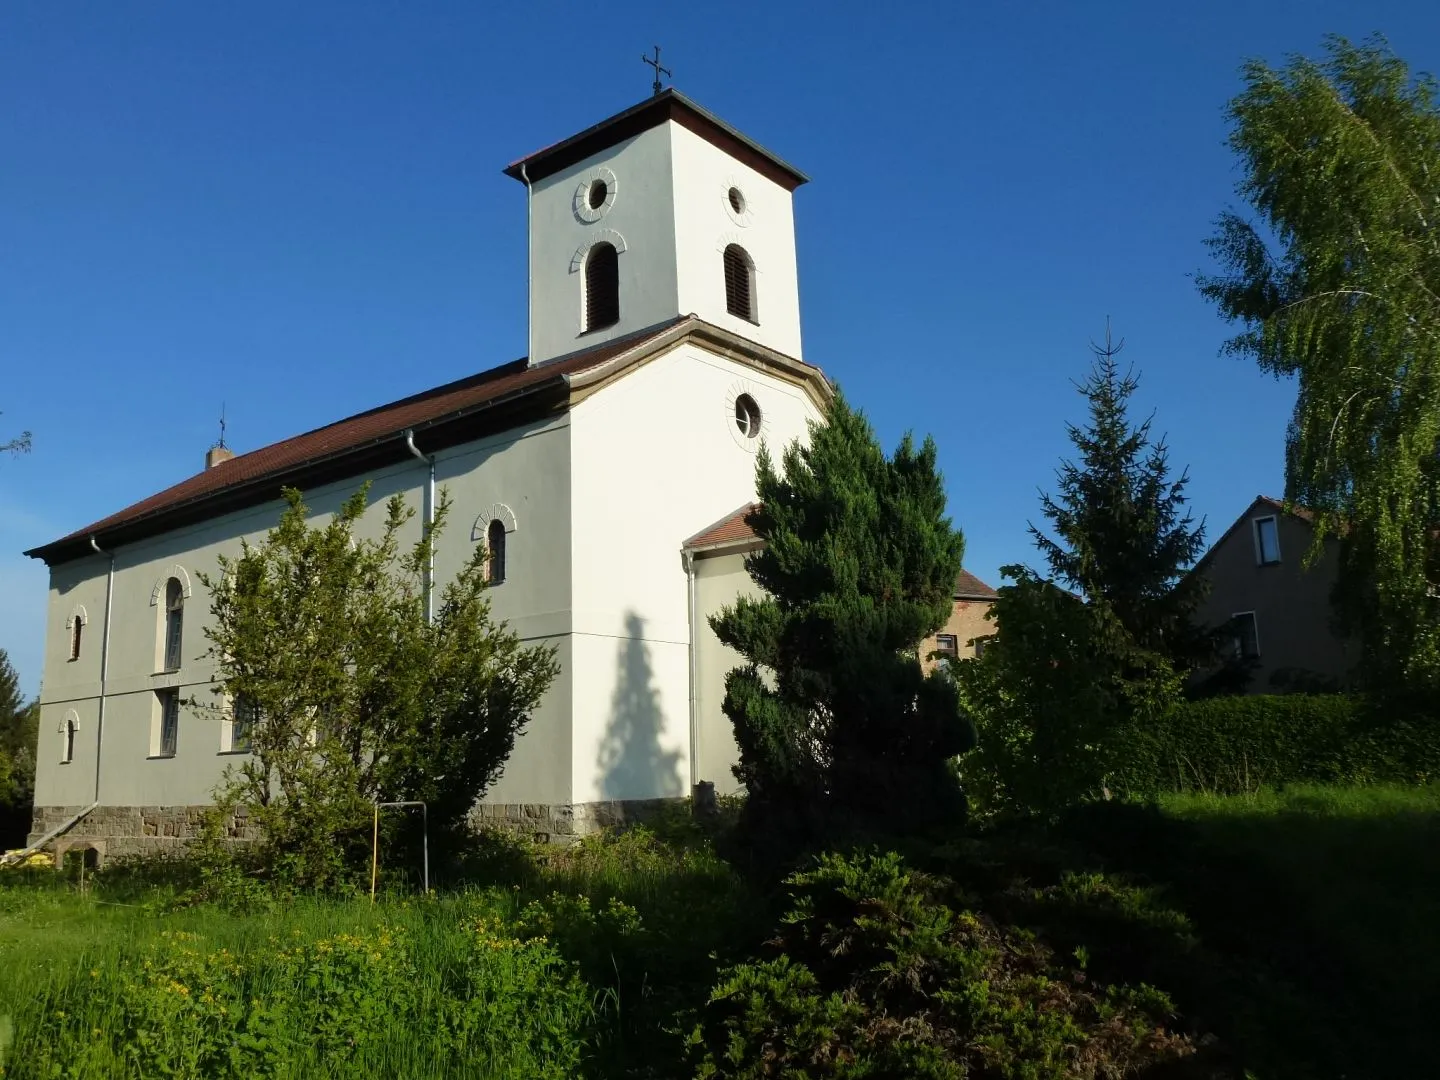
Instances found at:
x=19 y=727
x=837 y=723
x=1338 y=284
x=1123 y=537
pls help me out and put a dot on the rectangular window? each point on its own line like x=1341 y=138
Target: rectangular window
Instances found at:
x=1246 y=636
x=173 y=623
x=982 y=643
x=946 y=643
x=1267 y=541
x=169 y=722
x=243 y=724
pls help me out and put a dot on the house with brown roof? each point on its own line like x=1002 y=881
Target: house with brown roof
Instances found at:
x=665 y=348
x=716 y=556
x=1276 y=613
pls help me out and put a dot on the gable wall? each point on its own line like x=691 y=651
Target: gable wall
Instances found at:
x=1292 y=605
x=656 y=458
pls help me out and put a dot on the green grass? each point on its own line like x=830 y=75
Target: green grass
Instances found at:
x=1301 y=926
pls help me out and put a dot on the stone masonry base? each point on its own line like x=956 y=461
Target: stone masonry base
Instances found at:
x=123 y=831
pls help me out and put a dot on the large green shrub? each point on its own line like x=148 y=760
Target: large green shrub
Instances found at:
x=882 y=971
x=1237 y=744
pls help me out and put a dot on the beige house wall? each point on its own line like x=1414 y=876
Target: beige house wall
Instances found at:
x=1293 y=615
x=720 y=579
x=967 y=622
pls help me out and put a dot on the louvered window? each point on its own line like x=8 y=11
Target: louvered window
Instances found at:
x=495 y=552
x=602 y=287
x=739 y=283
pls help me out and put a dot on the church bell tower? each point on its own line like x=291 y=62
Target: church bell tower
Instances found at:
x=661 y=211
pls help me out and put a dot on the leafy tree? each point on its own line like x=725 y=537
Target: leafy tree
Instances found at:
x=836 y=722
x=19 y=730
x=20 y=444
x=1338 y=283
x=320 y=638
x=1056 y=698
x=1123 y=536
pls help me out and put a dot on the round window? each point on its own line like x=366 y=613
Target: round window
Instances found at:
x=737 y=200
x=747 y=416
x=596 y=197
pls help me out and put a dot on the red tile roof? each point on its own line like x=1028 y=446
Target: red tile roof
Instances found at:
x=970 y=587
x=388 y=422
x=731 y=529
x=734 y=529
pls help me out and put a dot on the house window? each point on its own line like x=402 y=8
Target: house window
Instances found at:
x=495 y=552
x=77 y=628
x=174 y=623
x=68 y=730
x=739 y=283
x=169 y=701
x=947 y=644
x=242 y=724
x=602 y=287
x=983 y=643
x=1245 y=635
x=1267 y=541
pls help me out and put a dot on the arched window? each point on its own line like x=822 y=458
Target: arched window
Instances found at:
x=739 y=283
x=77 y=628
x=174 y=623
x=68 y=729
x=495 y=552
x=602 y=286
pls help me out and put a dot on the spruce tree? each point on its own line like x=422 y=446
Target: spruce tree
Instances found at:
x=19 y=728
x=838 y=725
x=1123 y=537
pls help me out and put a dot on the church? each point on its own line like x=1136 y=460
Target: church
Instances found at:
x=608 y=472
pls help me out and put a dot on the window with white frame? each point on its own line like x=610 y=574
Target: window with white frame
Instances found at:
x=167 y=735
x=174 y=623
x=495 y=553
x=69 y=728
x=243 y=717
x=1267 y=540
x=77 y=629
x=947 y=646
x=1245 y=636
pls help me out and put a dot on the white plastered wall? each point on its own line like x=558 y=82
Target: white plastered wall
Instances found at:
x=656 y=457
x=705 y=223
x=525 y=469
x=720 y=580
x=641 y=221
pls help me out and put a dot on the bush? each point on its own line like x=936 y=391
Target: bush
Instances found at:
x=883 y=971
x=1237 y=744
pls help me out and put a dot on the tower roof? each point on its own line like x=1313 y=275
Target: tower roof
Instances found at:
x=669 y=104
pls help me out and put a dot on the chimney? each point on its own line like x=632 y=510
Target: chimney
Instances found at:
x=216 y=454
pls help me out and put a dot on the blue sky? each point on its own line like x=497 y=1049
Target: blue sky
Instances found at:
x=298 y=210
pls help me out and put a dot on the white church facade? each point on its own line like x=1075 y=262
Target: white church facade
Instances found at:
x=610 y=466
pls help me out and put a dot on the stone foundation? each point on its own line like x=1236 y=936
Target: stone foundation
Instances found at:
x=121 y=831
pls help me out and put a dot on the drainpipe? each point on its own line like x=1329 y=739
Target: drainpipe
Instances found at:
x=104 y=660
x=694 y=691
x=529 y=270
x=429 y=521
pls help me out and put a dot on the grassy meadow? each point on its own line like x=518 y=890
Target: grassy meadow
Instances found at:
x=1298 y=930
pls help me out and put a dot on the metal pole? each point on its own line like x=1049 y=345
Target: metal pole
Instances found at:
x=374 y=852
x=425 y=842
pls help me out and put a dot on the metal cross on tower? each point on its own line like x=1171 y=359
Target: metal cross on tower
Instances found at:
x=655 y=63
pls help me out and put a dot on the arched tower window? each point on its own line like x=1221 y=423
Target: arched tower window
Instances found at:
x=495 y=552
x=602 y=286
x=739 y=283
x=68 y=729
x=77 y=629
x=174 y=623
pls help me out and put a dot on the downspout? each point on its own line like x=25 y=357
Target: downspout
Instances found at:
x=104 y=661
x=429 y=522
x=529 y=269
x=694 y=691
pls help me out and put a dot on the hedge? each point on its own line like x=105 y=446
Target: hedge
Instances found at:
x=1234 y=744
